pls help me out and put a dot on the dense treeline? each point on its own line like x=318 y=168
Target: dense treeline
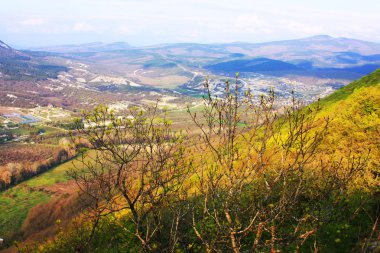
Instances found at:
x=305 y=180
x=24 y=68
x=25 y=152
x=24 y=161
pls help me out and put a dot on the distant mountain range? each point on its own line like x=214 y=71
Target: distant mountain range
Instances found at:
x=320 y=56
x=252 y=65
x=321 y=43
x=276 y=67
x=88 y=47
x=321 y=51
x=316 y=43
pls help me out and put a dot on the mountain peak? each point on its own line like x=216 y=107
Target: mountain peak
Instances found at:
x=321 y=37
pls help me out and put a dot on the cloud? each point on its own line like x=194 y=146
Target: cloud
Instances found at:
x=250 y=24
x=123 y=30
x=143 y=22
x=83 y=27
x=33 y=21
x=297 y=27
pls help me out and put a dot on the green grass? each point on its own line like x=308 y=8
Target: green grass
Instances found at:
x=15 y=204
x=50 y=130
x=56 y=175
x=51 y=177
x=22 y=130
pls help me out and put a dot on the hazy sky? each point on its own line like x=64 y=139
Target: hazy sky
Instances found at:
x=26 y=23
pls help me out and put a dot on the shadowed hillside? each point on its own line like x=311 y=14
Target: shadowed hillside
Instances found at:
x=17 y=65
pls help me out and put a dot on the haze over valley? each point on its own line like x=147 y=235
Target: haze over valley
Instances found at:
x=74 y=75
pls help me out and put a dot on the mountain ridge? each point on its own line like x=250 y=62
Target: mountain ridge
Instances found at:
x=316 y=38
x=17 y=65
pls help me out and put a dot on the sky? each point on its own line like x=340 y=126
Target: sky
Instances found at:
x=34 y=23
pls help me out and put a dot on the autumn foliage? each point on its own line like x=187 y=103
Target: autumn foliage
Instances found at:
x=21 y=162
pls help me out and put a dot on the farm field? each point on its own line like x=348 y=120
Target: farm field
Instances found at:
x=19 y=201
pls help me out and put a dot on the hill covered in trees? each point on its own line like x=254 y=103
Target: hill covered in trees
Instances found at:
x=253 y=65
x=17 y=65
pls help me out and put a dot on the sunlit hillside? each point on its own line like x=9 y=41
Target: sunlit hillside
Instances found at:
x=352 y=139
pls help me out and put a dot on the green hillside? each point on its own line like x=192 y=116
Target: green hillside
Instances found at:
x=355 y=127
x=354 y=111
x=372 y=79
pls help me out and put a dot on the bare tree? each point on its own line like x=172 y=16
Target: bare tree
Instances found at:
x=261 y=179
x=257 y=162
x=138 y=167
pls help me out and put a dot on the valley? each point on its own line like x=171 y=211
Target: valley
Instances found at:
x=49 y=86
x=45 y=91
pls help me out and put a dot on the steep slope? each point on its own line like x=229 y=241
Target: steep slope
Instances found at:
x=8 y=52
x=17 y=65
x=354 y=111
x=30 y=209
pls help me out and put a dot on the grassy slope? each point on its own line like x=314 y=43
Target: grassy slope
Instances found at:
x=354 y=131
x=354 y=111
x=16 y=202
x=357 y=103
x=14 y=206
